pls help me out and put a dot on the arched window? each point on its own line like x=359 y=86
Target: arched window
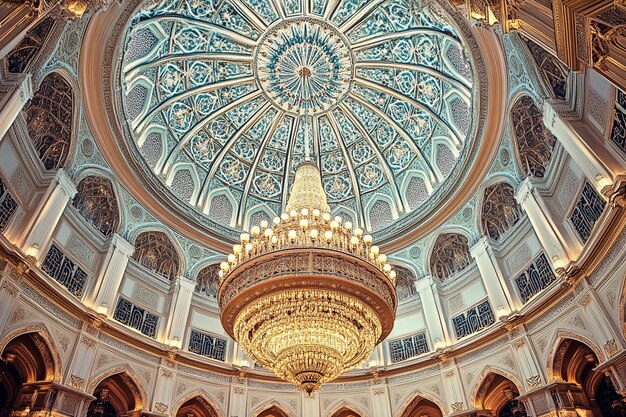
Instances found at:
x=553 y=71
x=450 y=255
x=155 y=251
x=500 y=210
x=405 y=282
x=208 y=280
x=95 y=200
x=22 y=55
x=534 y=141
x=346 y=412
x=49 y=120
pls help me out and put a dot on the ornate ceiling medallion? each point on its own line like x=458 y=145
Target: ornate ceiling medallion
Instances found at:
x=304 y=66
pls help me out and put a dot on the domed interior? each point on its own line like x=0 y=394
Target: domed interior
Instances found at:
x=481 y=144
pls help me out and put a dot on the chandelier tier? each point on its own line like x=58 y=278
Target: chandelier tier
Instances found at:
x=309 y=297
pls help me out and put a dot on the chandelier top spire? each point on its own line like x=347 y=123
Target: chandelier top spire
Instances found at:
x=307 y=191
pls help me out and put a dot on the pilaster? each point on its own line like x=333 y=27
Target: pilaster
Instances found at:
x=14 y=103
x=49 y=212
x=181 y=302
x=493 y=279
x=433 y=314
x=111 y=274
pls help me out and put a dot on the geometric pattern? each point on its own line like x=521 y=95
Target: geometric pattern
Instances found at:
x=450 y=255
x=95 y=200
x=232 y=86
x=155 y=251
x=500 y=210
x=534 y=141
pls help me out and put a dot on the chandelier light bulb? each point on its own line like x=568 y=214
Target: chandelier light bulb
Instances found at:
x=276 y=220
x=264 y=224
x=276 y=296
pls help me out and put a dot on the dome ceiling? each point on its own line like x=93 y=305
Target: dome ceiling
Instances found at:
x=217 y=94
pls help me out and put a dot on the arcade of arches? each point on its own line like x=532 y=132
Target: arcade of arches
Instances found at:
x=482 y=143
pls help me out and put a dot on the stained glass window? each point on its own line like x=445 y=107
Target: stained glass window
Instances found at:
x=500 y=210
x=65 y=271
x=207 y=345
x=49 y=120
x=450 y=255
x=534 y=141
x=8 y=206
x=408 y=347
x=588 y=209
x=475 y=319
x=208 y=281
x=155 y=251
x=618 y=132
x=138 y=318
x=538 y=276
x=96 y=201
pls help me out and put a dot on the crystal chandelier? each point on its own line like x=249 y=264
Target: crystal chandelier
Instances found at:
x=308 y=297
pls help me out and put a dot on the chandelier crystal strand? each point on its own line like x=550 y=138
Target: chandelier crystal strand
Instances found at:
x=308 y=297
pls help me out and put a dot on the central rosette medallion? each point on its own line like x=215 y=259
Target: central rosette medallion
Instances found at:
x=304 y=66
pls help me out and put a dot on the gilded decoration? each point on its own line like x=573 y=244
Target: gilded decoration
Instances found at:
x=500 y=210
x=376 y=82
x=156 y=252
x=450 y=254
x=535 y=143
x=405 y=282
x=309 y=297
x=96 y=202
x=208 y=281
x=49 y=120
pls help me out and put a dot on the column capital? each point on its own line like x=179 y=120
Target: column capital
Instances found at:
x=65 y=182
x=120 y=243
x=26 y=87
x=524 y=191
x=482 y=245
x=185 y=283
x=425 y=282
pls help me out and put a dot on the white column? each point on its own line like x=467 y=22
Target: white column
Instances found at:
x=111 y=274
x=40 y=229
x=427 y=288
x=527 y=363
x=9 y=293
x=381 y=405
x=181 y=299
x=600 y=322
x=311 y=405
x=549 y=235
x=82 y=361
x=589 y=156
x=14 y=103
x=497 y=290
x=161 y=402
x=237 y=403
x=452 y=388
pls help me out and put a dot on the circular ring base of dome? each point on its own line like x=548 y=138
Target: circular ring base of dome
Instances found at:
x=304 y=66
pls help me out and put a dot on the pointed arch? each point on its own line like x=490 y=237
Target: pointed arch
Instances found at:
x=204 y=401
x=221 y=206
x=487 y=382
x=415 y=189
x=342 y=408
x=158 y=250
x=51 y=119
x=131 y=380
x=20 y=58
x=557 y=351
x=534 y=143
x=375 y=209
x=499 y=210
x=96 y=201
x=180 y=188
x=413 y=399
x=449 y=254
x=272 y=408
x=46 y=346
